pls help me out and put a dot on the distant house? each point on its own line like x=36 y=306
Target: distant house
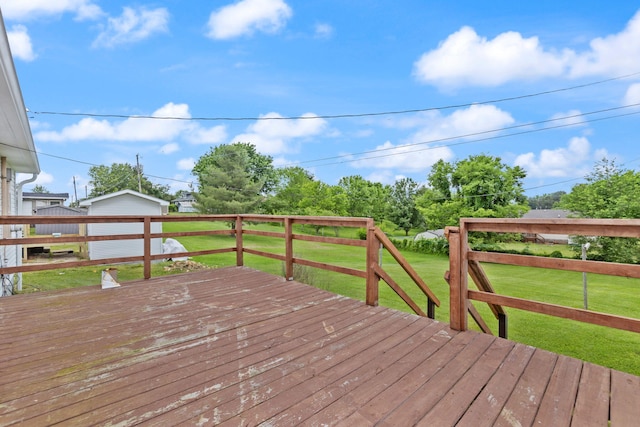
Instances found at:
x=17 y=155
x=547 y=214
x=31 y=202
x=58 y=210
x=430 y=234
x=186 y=203
x=125 y=202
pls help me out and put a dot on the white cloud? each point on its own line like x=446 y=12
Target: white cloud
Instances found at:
x=133 y=26
x=632 y=96
x=247 y=16
x=273 y=135
x=406 y=158
x=139 y=129
x=213 y=135
x=465 y=58
x=570 y=118
x=186 y=164
x=30 y=9
x=433 y=126
x=323 y=31
x=560 y=162
x=468 y=59
x=42 y=179
x=169 y=148
x=612 y=55
x=20 y=43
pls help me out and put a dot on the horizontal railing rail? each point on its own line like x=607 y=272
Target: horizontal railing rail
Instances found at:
x=465 y=262
x=372 y=272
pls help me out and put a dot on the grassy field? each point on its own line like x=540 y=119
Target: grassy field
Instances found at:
x=603 y=346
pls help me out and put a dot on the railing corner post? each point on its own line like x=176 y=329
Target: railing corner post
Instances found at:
x=372 y=262
x=457 y=290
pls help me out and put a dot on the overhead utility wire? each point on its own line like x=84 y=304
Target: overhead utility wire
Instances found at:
x=414 y=144
x=469 y=135
x=339 y=116
x=476 y=140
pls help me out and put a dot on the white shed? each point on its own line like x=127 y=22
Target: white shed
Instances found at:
x=125 y=202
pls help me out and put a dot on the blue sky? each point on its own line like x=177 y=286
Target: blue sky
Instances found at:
x=501 y=69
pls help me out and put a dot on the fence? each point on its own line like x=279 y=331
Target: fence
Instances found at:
x=375 y=240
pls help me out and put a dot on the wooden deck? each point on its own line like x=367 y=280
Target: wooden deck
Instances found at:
x=236 y=346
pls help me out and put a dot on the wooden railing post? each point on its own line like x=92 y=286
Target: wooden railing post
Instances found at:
x=288 y=248
x=457 y=298
x=239 y=245
x=372 y=262
x=147 y=247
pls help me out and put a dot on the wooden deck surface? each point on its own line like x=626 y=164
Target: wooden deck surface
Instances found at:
x=236 y=346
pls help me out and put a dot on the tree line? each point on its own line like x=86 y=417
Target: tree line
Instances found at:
x=236 y=178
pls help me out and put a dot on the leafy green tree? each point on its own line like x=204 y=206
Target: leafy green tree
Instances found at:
x=321 y=199
x=480 y=186
x=402 y=208
x=226 y=184
x=287 y=192
x=40 y=189
x=123 y=176
x=259 y=167
x=365 y=198
x=609 y=192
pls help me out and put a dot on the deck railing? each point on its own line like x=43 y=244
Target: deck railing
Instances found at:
x=375 y=240
x=465 y=262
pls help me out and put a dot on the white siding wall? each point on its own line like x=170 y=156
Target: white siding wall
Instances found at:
x=125 y=204
x=12 y=254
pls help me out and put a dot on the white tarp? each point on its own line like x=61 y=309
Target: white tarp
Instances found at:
x=172 y=246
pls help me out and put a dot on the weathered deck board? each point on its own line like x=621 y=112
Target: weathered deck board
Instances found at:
x=239 y=347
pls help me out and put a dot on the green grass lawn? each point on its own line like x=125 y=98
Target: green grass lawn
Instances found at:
x=608 y=347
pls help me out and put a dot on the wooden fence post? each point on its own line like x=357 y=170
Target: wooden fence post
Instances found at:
x=239 y=245
x=457 y=302
x=372 y=261
x=147 y=247
x=288 y=248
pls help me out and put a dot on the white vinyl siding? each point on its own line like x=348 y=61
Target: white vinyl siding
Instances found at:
x=124 y=204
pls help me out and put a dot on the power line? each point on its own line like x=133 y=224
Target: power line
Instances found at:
x=421 y=143
x=341 y=116
x=476 y=134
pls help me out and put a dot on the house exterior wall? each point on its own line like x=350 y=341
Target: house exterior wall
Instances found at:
x=125 y=204
x=11 y=255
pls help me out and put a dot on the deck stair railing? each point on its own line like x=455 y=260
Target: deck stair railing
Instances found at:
x=375 y=240
x=465 y=263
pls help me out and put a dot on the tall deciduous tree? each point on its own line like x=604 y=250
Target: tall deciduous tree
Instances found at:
x=610 y=192
x=259 y=167
x=402 y=207
x=287 y=193
x=365 y=198
x=480 y=186
x=123 y=176
x=226 y=184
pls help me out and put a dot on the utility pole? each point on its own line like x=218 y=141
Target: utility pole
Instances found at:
x=75 y=190
x=139 y=174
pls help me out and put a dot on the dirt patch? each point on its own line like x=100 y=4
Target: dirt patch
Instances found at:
x=185 y=266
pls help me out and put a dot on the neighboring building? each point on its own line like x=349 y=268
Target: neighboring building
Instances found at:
x=17 y=155
x=186 y=203
x=430 y=234
x=31 y=202
x=125 y=202
x=547 y=214
x=44 y=229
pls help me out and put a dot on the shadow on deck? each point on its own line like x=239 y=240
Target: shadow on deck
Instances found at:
x=236 y=346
